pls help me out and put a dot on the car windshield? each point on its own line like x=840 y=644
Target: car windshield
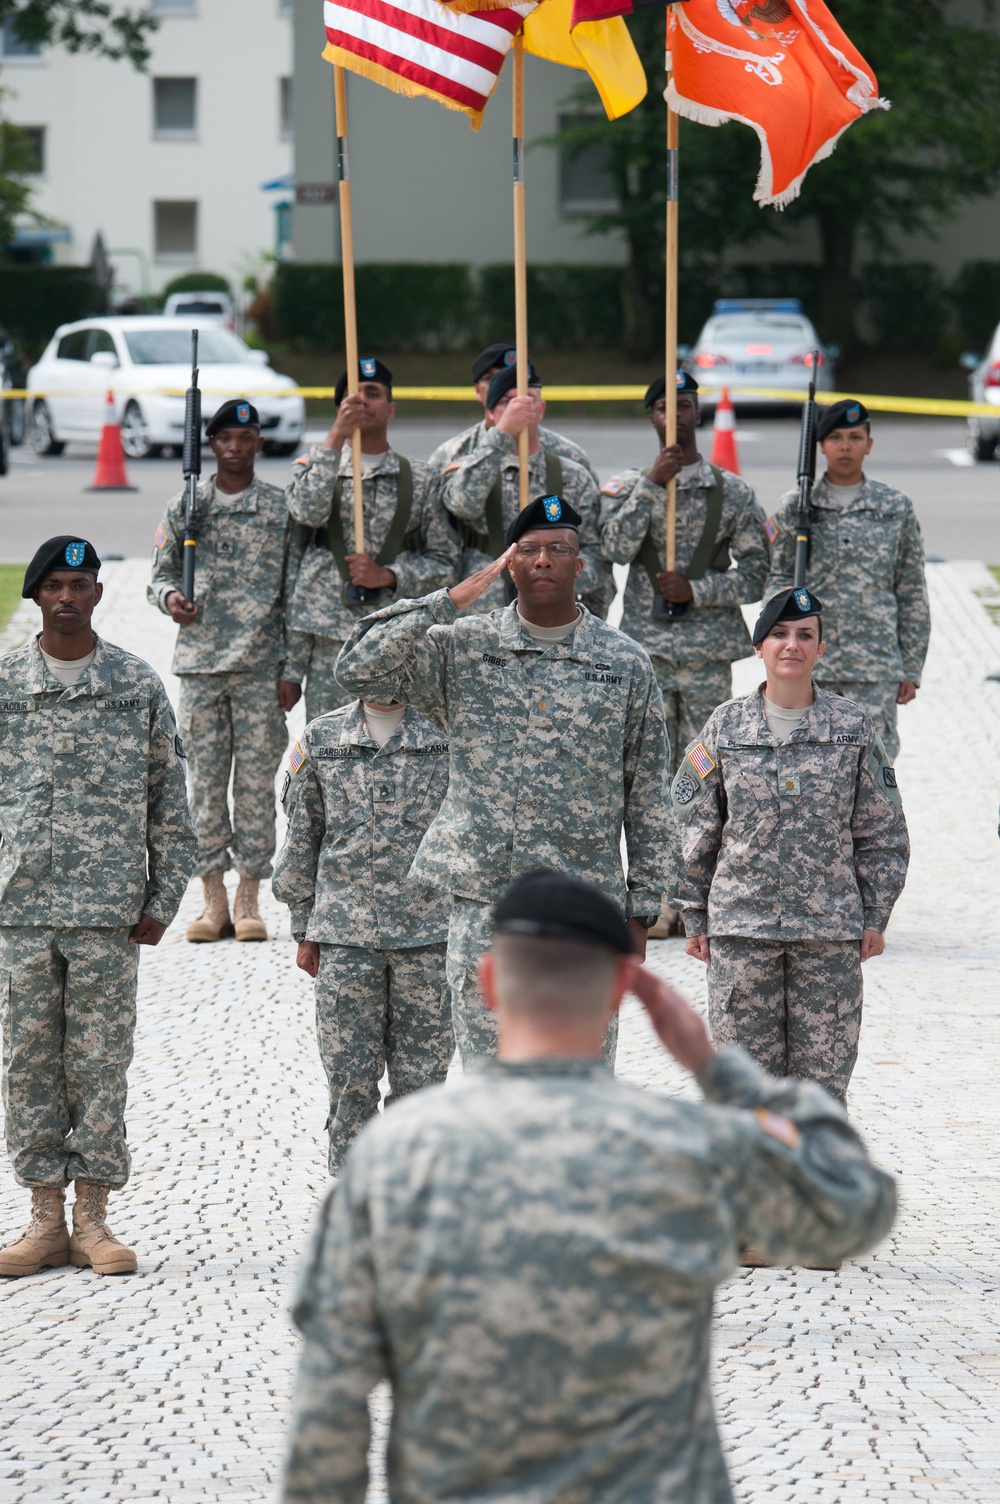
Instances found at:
x=203 y=305
x=765 y=328
x=172 y=347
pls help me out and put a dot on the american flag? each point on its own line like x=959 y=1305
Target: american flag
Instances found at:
x=423 y=47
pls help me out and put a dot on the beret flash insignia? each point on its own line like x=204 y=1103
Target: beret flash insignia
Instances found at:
x=243 y=412
x=553 y=508
x=853 y=414
x=367 y=368
x=509 y=357
x=74 y=553
x=803 y=600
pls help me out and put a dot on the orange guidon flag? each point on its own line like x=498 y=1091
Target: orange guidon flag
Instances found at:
x=783 y=67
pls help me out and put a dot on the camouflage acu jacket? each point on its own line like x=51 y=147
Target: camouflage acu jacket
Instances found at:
x=467 y=484
x=712 y=630
x=428 y=561
x=797 y=840
x=543 y=1219
x=240 y=578
x=94 y=824
x=866 y=564
x=356 y=815
x=552 y=750
x=470 y=438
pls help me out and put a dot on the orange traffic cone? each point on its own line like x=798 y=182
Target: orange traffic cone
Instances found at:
x=109 y=472
x=724 y=435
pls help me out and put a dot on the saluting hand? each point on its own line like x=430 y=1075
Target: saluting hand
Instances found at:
x=466 y=591
x=679 y=1028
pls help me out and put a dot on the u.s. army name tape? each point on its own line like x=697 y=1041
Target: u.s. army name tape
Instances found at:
x=935 y=407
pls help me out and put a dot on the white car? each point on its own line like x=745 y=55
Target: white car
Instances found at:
x=982 y=434
x=209 y=307
x=146 y=364
x=757 y=342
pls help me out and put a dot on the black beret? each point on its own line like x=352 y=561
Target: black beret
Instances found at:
x=559 y=907
x=793 y=604
x=847 y=414
x=239 y=413
x=656 y=389
x=59 y=553
x=505 y=381
x=543 y=512
x=501 y=354
x=370 y=368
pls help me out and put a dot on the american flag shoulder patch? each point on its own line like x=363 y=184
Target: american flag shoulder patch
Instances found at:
x=771 y=529
x=296 y=757
x=775 y=1126
x=699 y=759
x=457 y=465
x=613 y=488
x=161 y=536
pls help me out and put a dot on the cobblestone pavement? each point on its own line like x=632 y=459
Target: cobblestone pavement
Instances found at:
x=878 y=1383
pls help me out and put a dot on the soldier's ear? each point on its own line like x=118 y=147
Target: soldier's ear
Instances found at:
x=98 y=591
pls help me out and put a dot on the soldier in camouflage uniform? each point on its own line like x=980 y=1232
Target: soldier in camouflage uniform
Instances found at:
x=796 y=851
x=481 y=491
x=364 y=784
x=721 y=563
x=557 y=739
x=96 y=849
x=488 y=362
x=529 y=1255
x=410 y=546
x=229 y=658
x=866 y=559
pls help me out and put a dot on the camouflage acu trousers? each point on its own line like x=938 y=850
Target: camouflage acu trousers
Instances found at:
x=379 y=1010
x=322 y=691
x=880 y=702
x=68 y=999
x=232 y=726
x=690 y=693
x=469 y=936
x=795 y=1006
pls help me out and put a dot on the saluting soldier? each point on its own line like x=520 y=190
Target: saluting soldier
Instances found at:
x=721 y=564
x=796 y=851
x=96 y=848
x=482 y=490
x=230 y=658
x=497 y=357
x=557 y=741
x=528 y=1256
x=410 y=547
x=866 y=559
x=364 y=783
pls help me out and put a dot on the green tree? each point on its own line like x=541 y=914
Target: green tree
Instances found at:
x=895 y=172
x=111 y=30
x=16 y=160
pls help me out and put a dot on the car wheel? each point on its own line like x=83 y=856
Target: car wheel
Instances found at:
x=43 y=438
x=277 y=448
x=982 y=446
x=135 y=435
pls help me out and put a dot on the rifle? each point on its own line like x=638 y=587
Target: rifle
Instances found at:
x=806 y=477
x=192 y=471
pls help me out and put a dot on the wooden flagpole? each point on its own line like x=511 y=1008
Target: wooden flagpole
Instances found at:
x=350 y=307
x=670 y=437
x=520 y=266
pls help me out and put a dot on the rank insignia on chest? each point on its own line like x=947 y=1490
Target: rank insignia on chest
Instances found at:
x=296 y=758
x=789 y=784
x=699 y=759
x=684 y=790
x=225 y=548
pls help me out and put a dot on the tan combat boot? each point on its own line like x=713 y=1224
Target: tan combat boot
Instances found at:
x=249 y=925
x=213 y=923
x=93 y=1244
x=44 y=1243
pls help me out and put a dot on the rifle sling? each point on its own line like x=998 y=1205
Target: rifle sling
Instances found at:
x=333 y=534
x=710 y=552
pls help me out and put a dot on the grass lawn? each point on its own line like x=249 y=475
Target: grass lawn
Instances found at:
x=11 y=580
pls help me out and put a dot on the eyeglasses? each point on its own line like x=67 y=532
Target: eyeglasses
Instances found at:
x=554 y=550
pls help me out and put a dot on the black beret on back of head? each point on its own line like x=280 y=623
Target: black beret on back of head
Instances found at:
x=657 y=388
x=370 y=368
x=552 y=905
x=55 y=554
x=505 y=381
x=542 y=513
x=793 y=604
x=848 y=414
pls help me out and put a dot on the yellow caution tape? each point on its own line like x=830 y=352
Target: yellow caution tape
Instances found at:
x=937 y=407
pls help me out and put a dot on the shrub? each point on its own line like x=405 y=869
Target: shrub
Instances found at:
x=35 y=300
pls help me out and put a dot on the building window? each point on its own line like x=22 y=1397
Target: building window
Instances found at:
x=175 y=106
x=175 y=230
x=33 y=141
x=585 y=181
x=172 y=7
x=12 y=44
x=285 y=108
